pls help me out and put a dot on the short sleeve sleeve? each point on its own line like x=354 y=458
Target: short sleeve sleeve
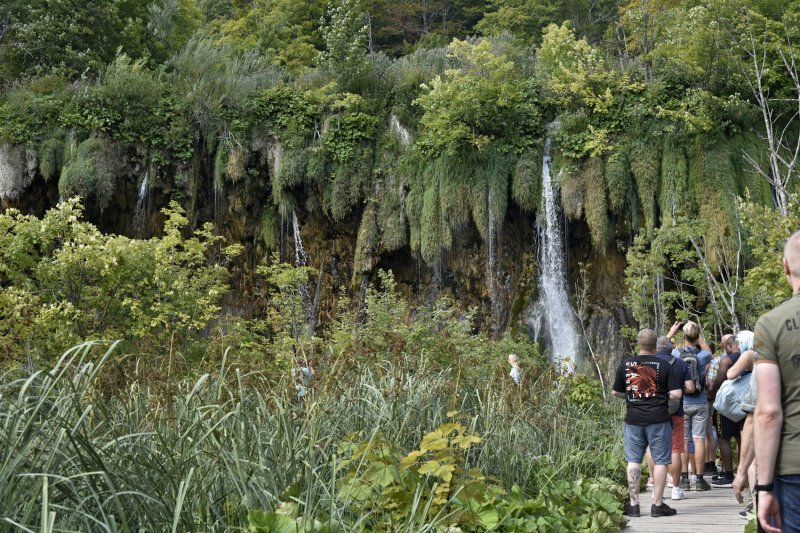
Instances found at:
x=619 y=379
x=764 y=342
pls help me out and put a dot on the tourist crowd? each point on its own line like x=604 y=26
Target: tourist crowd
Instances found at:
x=685 y=406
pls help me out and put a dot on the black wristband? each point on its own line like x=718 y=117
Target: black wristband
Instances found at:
x=764 y=488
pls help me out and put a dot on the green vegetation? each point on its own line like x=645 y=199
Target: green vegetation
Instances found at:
x=408 y=423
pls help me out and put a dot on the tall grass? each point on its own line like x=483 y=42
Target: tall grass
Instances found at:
x=75 y=456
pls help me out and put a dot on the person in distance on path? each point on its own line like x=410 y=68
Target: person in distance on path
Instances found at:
x=647 y=382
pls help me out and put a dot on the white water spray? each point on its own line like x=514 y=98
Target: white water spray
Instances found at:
x=300 y=256
x=140 y=214
x=399 y=131
x=554 y=302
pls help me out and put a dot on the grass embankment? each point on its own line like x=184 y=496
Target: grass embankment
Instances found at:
x=77 y=457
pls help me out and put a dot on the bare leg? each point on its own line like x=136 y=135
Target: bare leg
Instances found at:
x=660 y=478
x=675 y=468
x=634 y=481
x=699 y=455
x=649 y=457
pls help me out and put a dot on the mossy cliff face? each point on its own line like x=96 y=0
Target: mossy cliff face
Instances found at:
x=463 y=229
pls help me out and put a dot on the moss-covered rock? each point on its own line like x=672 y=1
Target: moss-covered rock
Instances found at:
x=92 y=173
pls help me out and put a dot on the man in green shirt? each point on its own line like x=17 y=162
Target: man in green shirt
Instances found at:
x=777 y=415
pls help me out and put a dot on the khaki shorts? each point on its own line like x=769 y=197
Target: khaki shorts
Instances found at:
x=695 y=419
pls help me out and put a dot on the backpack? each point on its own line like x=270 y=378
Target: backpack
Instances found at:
x=689 y=356
x=674 y=405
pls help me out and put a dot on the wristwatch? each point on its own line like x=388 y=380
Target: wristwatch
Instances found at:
x=764 y=488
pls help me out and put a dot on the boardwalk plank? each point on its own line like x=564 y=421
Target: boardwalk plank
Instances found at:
x=714 y=511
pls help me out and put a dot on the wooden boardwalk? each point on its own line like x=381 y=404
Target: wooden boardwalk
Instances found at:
x=713 y=511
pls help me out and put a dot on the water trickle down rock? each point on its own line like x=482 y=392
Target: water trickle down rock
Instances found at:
x=399 y=131
x=551 y=319
x=140 y=214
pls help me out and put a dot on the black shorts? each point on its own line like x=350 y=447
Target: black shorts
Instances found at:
x=727 y=428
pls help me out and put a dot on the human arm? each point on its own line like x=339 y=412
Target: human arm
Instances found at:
x=768 y=422
x=689 y=387
x=744 y=364
x=674 y=329
x=675 y=394
x=617 y=394
x=722 y=374
x=703 y=344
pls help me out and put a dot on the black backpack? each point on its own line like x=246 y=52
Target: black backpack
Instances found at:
x=673 y=405
x=689 y=356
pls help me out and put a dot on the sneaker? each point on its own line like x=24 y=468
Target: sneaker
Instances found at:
x=722 y=481
x=747 y=513
x=685 y=485
x=711 y=470
x=701 y=485
x=662 y=510
x=677 y=494
x=630 y=510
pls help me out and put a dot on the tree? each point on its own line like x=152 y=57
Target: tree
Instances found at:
x=774 y=81
x=69 y=36
x=345 y=34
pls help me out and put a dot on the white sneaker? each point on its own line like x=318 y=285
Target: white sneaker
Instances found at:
x=677 y=493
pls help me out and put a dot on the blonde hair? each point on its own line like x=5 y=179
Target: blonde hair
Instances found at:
x=691 y=331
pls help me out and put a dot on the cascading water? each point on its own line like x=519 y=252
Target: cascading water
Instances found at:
x=491 y=260
x=300 y=256
x=399 y=131
x=140 y=214
x=552 y=314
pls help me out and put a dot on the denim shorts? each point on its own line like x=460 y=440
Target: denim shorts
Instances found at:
x=657 y=436
x=787 y=492
x=696 y=417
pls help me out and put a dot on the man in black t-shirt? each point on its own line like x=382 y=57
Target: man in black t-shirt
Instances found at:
x=647 y=384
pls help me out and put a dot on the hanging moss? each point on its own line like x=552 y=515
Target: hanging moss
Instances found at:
x=573 y=189
x=715 y=192
x=92 y=174
x=498 y=171
x=367 y=240
x=674 y=199
x=596 y=204
x=453 y=178
x=220 y=164
x=268 y=228
x=392 y=175
x=414 y=204
x=618 y=182
x=51 y=157
x=431 y=235
x=348 y=183
x=750 y=182
x=526 y=184
x=645 y=162
x=236 y=164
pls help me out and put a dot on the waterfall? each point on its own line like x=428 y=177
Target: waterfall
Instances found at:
x=491 y=260
x=300 y=256
x=554 y=305
x=140 y=214
x=399 y=131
